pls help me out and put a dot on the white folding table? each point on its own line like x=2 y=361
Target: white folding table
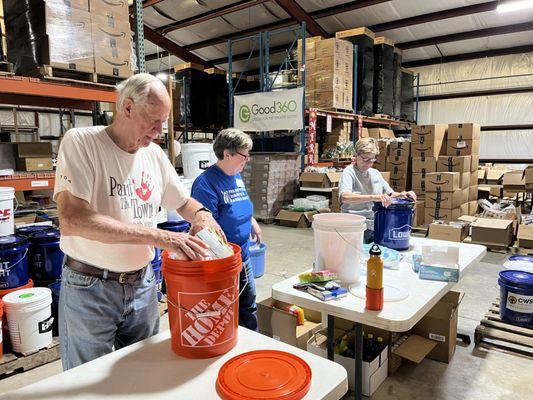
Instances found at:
x=150 y=370
x=397 y=316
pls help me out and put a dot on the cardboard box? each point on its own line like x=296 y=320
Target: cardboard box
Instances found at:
x=429 y=149
x=481 y=175
x=418 y=218
x=495 y=175
x=394 y=164
x=464 y=208
x=465 y=193
x=119 y=8
x=440 y=325
x=422 y=134
x=396 y=175
x=320 y=180
x=464 y=180
x=525 y=236
x=444 y=199
x=514 y=181
x=35 y=164
x=442 y=181
x=472 y=207
x=464 y=131
x=276 y=322
x=439 y=263
x=454 y=163
x=398 y=184
x=112 y=61
x=474 y=165
x=383 y=147
x=386 y=176
x=473 y=178
x=462 y=147
x=419 y=181
x=491 y=231
x=493 y=190
x=295 y=219
x=380 y=133
x=400 y=149
x=374 y=372
x=426 y=164
x=381 y=162
x=454 y=231
x=33 y=149
x=528 y=177
x=444 y=214
x=473 y=193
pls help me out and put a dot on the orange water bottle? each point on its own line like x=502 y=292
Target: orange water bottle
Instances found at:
x=374 y=280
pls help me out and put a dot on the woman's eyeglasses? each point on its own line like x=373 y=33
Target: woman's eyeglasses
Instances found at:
x=365 y=159
x=246 y=156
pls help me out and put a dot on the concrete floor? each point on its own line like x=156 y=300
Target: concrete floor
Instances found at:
x=473 y=373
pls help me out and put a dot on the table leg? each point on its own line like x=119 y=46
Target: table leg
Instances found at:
x=358 y=361
x=331 y=336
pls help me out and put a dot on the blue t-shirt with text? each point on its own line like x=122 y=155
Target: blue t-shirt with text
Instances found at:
x=226 y=197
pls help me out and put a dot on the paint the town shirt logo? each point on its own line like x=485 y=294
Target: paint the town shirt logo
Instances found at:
x=209 y=320
x=134 y=195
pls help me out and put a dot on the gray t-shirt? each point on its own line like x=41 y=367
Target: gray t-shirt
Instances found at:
x=369 y=182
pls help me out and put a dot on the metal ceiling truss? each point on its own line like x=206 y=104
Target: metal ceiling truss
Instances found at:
x=292 y=8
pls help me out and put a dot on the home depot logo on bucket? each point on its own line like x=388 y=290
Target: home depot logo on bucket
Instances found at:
x=207 y=323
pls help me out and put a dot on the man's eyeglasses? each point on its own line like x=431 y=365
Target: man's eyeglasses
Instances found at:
x=368 y=159
x=246 y=156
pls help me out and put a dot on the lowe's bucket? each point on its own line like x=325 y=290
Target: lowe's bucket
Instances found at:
x=203 y=304
x=257 y=258
x=46 y=258
x=516 y=297
x=13 y=261
x=29 y=318
x=196 y=158
x=7 y=223
x=392 y=225
x=338 y=244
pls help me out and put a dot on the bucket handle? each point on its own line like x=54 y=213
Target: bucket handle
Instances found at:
x=211 y=313
x=22 y=258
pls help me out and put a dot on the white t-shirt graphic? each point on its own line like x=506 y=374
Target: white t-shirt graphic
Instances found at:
x=127 y=187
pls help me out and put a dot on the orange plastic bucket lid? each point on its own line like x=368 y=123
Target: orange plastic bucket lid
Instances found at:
x=264 y=375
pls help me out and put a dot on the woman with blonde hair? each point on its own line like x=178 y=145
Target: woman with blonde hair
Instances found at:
x=361 y=185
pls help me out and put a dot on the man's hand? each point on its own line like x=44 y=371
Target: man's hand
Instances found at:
x=257 y=234
x=385 y=199
x=183 y=244
x=204 y=219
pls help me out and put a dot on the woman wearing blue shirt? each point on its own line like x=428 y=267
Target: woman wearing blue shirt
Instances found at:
x=221 y=189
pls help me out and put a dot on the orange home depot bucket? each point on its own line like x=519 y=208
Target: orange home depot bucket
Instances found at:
x=203 y=304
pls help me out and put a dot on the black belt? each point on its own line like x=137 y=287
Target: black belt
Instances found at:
x=90 y=270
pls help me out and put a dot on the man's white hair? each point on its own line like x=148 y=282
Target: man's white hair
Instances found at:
x=137 y=88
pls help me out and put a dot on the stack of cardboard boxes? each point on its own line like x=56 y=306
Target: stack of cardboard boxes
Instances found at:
x=34 y=156
x=340 y=134
x=271 y=180
x=398 y=163
x=111 y=37
x=329 y=71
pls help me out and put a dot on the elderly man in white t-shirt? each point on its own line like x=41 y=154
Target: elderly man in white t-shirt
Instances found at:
x=110 y=183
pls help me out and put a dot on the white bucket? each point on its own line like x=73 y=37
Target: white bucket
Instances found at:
x=29 y=318
x=339 y=244
x=7 y=224
x=196 y=158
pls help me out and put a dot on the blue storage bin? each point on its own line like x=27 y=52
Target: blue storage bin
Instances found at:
x=257 y=258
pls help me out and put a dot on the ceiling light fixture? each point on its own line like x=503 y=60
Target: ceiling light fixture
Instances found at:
x=514 y=5
x=162 y=76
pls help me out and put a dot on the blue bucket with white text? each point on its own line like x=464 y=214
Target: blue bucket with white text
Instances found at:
x=257 y=258
x=516 y=297
x=46 y=258
x=13 y=261
x=392 y=224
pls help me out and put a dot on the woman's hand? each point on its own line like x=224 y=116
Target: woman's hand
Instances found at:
x=385 y=199
x=257 y=234
x=409 y=195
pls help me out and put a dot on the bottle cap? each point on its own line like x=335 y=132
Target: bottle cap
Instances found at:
x=375 y=250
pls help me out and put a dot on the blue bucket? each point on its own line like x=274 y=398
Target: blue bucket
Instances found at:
x=175 y=226
x=156 y=266
x=516 y=297
x=46 y=258
x=392 y=225
x=13 y=261
x=32 y=229
x=257 y=258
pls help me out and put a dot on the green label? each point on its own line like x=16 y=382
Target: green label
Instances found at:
x=244 y=113
x=26 y=295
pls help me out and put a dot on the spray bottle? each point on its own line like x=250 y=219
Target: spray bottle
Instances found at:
x=374 y=280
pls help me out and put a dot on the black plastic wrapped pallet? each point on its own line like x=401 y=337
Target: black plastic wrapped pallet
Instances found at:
x=219 y=100
x=383 y=78
x=365 y=72
x=397 y=85
x=2 y=58
x=407 y=103
x=195 y=90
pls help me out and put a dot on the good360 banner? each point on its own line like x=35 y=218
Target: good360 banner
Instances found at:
x=269 y=111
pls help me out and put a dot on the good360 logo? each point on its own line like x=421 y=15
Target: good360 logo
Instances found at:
x=277 y=107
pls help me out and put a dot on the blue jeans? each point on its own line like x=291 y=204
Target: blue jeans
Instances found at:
x=96 y=315
x=368 y=236
x=247 y=306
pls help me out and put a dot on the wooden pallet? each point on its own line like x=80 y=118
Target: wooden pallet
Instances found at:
x=14 y=362
x=383 y=116
x=6 y=67
x=492 y=332
x=62 y=75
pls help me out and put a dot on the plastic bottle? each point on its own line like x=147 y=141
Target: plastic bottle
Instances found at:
x=367 y=351
x=381 y=345
x=374 y=280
